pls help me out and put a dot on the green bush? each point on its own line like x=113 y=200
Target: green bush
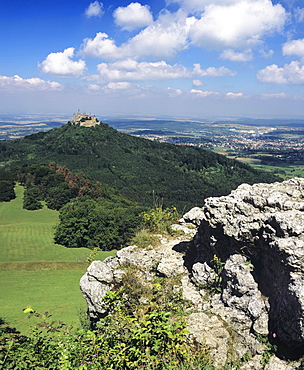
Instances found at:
x=144 y=238
x=96 y=223
x=159 y=220
x=7 y=192
x=31 y=199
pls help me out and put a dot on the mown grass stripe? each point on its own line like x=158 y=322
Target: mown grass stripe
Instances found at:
x=36 y=271
x=35 y=266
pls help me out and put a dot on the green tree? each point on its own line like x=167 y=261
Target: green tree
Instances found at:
x=96 y=224
x=31 y=199
x=58 y=196
x=7 y=192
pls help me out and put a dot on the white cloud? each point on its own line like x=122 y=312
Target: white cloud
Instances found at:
x=233 y=24
x=133 y=16
x=199 y=5
x=101 y=46
x=93 y=87
x=212 y=71
x=174 y=92
x=162 y=39
x=131 y=70
x=61 y=64
x=231 y=95
x=292 y=73
x=94 y=10
x=118 y=85
x=274 y=96
x=266 y=53
x=237 y=24
x=299 y=14
x=294 y=47
x=197 y=83
x=28 y=83
x=235 y=56
x=203 y=94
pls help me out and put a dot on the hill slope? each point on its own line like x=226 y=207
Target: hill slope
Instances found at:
x=181 y=176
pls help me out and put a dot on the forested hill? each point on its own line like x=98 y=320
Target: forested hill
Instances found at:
x=138 y=168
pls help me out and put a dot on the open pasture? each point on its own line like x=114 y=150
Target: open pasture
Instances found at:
x=34 y=271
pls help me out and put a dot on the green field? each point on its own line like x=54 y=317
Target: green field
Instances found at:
x=34 y=271
x=285 y=170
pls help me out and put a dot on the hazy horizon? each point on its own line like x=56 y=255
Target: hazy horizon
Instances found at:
x=166 y=58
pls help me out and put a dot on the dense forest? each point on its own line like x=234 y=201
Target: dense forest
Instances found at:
x=180 y=176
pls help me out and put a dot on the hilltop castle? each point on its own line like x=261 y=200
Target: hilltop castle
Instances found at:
x=84 y=120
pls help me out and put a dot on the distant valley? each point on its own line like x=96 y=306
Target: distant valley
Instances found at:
x=271 y=144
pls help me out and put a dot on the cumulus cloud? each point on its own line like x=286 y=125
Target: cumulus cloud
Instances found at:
x=294 y=47
x=203 y=94
x=233 y=24
x=212 y=71
x=231 y=95
x=292 y=73
x=197 y=83
x=164 y=38
x=235 y=56
x=131 y=70
x=101 y=46
x=133 y=16
x=94 y=10
x=61 y=64
x=237 y=23
x=28 y=83
x=93 y=87
x=118 y=85
x=172 y=93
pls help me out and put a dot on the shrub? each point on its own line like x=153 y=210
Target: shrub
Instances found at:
x=144 y=238
x=159 y=220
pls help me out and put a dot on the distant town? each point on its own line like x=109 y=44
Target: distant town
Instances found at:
x=270 y=142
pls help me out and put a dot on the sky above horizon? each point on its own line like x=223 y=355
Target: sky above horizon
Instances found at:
x=177 y=58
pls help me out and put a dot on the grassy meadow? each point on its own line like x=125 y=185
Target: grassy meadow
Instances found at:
x=36 y=272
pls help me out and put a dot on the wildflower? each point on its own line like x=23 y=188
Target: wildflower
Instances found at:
x=215 y=257
x=28 y=309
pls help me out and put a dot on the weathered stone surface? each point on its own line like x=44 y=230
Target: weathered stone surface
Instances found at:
x=277 y=364
x=202 y=274
x=191 y=294
x=241 y=292
x=194 y=216
x=209 y=330
x=253 y=364
x=257 y=233
x=265 y=223
x=101 y=276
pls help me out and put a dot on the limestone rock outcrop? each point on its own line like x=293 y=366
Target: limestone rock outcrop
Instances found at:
x=250 y=246
x=261 y=227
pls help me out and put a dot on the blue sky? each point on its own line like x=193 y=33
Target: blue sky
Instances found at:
x=178 y=58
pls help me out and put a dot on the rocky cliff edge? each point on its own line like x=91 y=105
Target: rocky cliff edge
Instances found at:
x=240 y=263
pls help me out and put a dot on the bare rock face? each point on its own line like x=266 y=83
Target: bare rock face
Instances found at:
x=104 y=275
x=258 y=232
x=249 y=243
